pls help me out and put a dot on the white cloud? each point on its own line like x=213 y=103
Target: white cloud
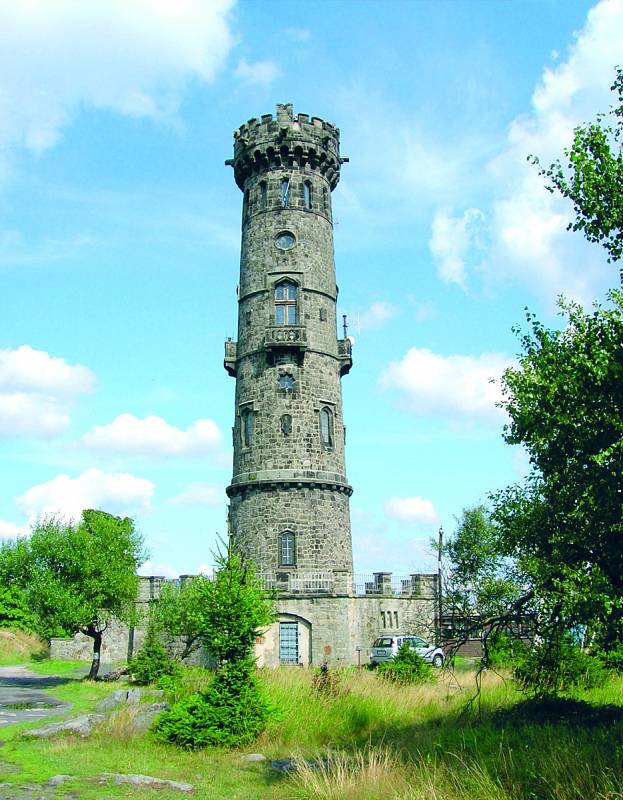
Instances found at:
x=200 y=494
x=131 y=56
x=453 y=385
x=117 y=493
x=454 y=240
x=153 y=436
x=375 y=316
x=526 y=225
x=415 y=511
x=9 y=530
x=259 y=73
x=36 y=391
x=156 y=568
x=205 y=569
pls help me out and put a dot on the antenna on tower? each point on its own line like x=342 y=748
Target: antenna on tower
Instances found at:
x=345 y=324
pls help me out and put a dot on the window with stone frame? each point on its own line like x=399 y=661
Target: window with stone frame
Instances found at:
x=285 y=303
x=247 y=426
x=307 y=194
x=263 y=195
x=285 y=192
x=326 y=427
x=287 y=549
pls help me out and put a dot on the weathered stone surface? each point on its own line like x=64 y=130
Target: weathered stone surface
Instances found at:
x=253 y=758
x=124 y=696
x=80 y=726
x=57 y=780
x=143 y=780
x=115 y=674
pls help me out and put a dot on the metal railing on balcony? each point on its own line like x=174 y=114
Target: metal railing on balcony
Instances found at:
x=298 y=582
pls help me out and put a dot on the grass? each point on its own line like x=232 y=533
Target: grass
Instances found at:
x=371 y=741
x=17 y=646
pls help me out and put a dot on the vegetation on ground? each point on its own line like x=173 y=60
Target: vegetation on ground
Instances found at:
x=232 y=709
x=75 y=577
x=406 y=668
x=374 y=740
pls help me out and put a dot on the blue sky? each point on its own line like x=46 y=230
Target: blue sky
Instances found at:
x=119 y=244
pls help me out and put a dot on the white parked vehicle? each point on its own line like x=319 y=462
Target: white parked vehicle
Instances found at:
x=385 y=648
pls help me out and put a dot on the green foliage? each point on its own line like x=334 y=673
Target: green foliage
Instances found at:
x=563 y=526
x=593 y=177
x=478 y=581
x=77 y=577
x=407 y=668
x=182 y=611
x=558 y=666
x=230 y=712
x=152 y=662
x=504 y=650
x=326 y=682
x=14 y=610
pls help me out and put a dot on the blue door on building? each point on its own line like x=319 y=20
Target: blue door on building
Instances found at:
x=288 y=643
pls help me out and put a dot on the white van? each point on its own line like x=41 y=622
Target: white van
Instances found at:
x=385 y=648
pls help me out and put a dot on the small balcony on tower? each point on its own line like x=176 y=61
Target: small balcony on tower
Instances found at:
x=231 y=354
x=345 y=355
x=285 y=337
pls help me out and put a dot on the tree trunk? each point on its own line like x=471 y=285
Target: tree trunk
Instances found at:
x=97 y=649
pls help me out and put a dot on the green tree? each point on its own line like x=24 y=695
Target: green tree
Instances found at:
x=231 y=710
x=592 y=177
x=184 y=610
x=77 y=577
x=563 y=525
x=479 y=584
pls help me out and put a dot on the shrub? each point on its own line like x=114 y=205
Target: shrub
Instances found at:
x=152 y=662
x=613 y=658
x=504 y=650
x=557 y=668
x=408 y=667
x=326 y=682
x=230 y=712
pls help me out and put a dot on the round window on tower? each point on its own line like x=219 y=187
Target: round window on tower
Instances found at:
x=285 y=240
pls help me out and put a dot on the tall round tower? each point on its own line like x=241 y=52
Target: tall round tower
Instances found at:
x=289 y=497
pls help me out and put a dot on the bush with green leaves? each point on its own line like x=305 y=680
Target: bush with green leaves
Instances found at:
x=503 y=650
x=408 y=667
x=230 y=712
x=558 y=666
x=152 y=662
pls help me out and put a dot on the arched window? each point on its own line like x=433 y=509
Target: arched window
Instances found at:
x=285 y=191
x=326 y=427
x=248 y=422
x=285 y=303
x=263 y=195
x=307 y=194
x=287 y=550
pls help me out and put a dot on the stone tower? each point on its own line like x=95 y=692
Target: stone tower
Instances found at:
x=289 y=497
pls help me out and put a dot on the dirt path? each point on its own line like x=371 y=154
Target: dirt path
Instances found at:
x=22 y=698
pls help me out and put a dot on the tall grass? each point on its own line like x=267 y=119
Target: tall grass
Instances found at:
x=368 y=740
x=17 y=646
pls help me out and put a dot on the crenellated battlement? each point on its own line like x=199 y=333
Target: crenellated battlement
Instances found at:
x=286 y=141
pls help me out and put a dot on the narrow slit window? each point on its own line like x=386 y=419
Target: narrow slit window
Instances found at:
x=325 y=198
x=263 y=195
x=285 y=303
x=287 y=552
x=285 y=191
x=248 y=424
x=307 y=194
x=245 y=204
x=326 y=427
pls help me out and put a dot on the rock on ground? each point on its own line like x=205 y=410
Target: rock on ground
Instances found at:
x=81 y=726
x=143 y=780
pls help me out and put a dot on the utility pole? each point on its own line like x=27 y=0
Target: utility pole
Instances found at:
x=439 y=587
